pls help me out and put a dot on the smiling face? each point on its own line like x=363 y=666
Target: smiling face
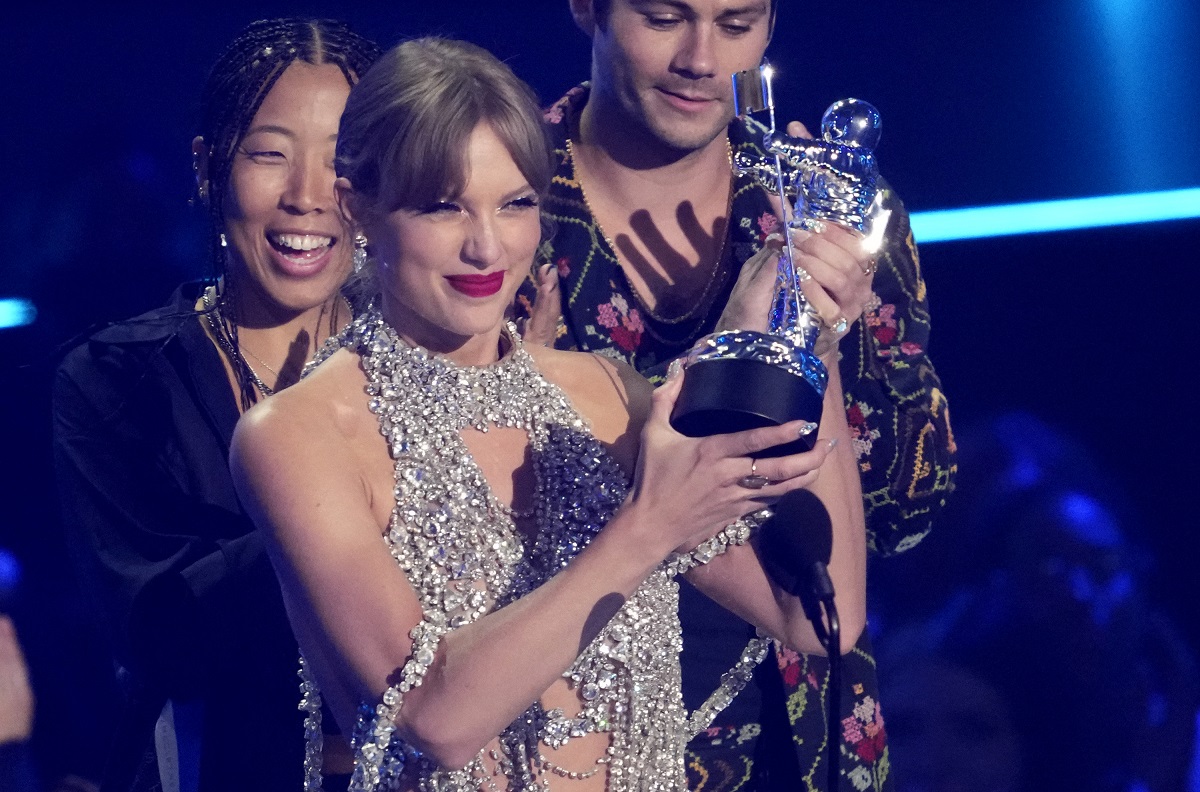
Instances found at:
x=449 y=270
x=665 y=66
x=289 y=250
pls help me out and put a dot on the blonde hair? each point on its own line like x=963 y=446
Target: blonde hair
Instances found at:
x=403 y=136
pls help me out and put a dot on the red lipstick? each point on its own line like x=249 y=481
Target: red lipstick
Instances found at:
x=477 y=285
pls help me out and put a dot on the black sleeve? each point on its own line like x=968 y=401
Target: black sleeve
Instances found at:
x=151 y=515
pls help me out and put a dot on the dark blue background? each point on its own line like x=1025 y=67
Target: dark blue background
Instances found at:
x=982 y=104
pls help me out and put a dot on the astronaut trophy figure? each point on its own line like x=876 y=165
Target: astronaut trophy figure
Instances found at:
x=741 y=379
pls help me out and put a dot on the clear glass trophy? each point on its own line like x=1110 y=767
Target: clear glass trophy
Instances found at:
x=742 y=379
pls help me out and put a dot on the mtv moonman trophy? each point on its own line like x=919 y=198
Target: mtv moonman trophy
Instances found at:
x=741 y=379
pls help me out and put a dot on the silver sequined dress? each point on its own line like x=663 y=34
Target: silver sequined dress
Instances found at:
x=463 y=556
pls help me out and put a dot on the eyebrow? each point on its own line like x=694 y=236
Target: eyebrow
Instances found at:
x=277 y=130
x=519 y=192
x=756 y=7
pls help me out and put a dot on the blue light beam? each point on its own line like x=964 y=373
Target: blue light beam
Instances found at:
x=16 y=313
x=946 y=225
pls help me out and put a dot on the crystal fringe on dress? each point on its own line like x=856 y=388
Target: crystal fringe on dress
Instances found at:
x=461 y=551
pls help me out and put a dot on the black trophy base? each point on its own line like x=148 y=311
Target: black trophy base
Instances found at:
x=725 y=395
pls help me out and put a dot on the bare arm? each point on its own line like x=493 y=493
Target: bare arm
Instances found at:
x=737 y=580
x=349 y=600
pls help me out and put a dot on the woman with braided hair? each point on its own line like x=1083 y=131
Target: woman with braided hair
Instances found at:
x=145 y=409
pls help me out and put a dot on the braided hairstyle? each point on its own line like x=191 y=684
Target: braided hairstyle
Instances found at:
x=238 y=83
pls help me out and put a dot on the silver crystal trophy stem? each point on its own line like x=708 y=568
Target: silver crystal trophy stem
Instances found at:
x=832 y=179
x=739 y=379
x=791 y=315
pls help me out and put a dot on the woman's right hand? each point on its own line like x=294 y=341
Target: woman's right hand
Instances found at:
x=694 y=487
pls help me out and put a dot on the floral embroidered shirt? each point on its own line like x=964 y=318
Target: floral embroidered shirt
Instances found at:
x=902 y=440
x=897 y=411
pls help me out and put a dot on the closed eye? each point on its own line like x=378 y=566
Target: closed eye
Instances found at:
x=263 y=155
x=736 y=28
x=439 y=207
x=524 y=202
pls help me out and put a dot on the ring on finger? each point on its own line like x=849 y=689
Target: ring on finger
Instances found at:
x=872 y=266
x=753 y=481
x=838 y=326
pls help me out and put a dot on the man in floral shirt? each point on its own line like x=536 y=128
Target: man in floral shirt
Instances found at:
x=652 y=230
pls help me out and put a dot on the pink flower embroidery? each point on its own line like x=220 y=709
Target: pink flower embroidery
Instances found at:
x=851 y=730
x=564 y=267
x=910 y=348
x=555 y=113
x=633 y=322
x=607 y=315
x=768 y=224
x=883 y=324
x=624 y=324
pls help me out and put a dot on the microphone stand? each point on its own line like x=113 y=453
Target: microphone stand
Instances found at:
x=829 y=633
x=796 y=557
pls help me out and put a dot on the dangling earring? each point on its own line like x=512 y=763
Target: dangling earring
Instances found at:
x=359 y=258
x=224 y=242
x=201 y=184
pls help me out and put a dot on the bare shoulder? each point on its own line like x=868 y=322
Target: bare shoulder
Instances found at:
x=312 y=432
x=609 y=393
x=315 y=411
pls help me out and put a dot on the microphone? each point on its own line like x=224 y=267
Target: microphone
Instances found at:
x=795 y=547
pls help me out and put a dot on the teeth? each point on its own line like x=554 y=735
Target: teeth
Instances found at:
x=301 y=241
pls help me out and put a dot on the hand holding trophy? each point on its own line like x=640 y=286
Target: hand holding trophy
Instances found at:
x=741 y=379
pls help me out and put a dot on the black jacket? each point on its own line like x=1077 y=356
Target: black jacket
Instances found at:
x=143 y=415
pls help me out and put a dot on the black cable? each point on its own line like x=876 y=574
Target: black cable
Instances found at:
x=795 y=547
x=833 y=713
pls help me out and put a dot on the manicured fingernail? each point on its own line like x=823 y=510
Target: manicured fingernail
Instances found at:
x=674 y=369
x=806 y=428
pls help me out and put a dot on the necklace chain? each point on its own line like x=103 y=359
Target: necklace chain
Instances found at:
x=216 y=323
x=703 y=300
x=261 y=362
